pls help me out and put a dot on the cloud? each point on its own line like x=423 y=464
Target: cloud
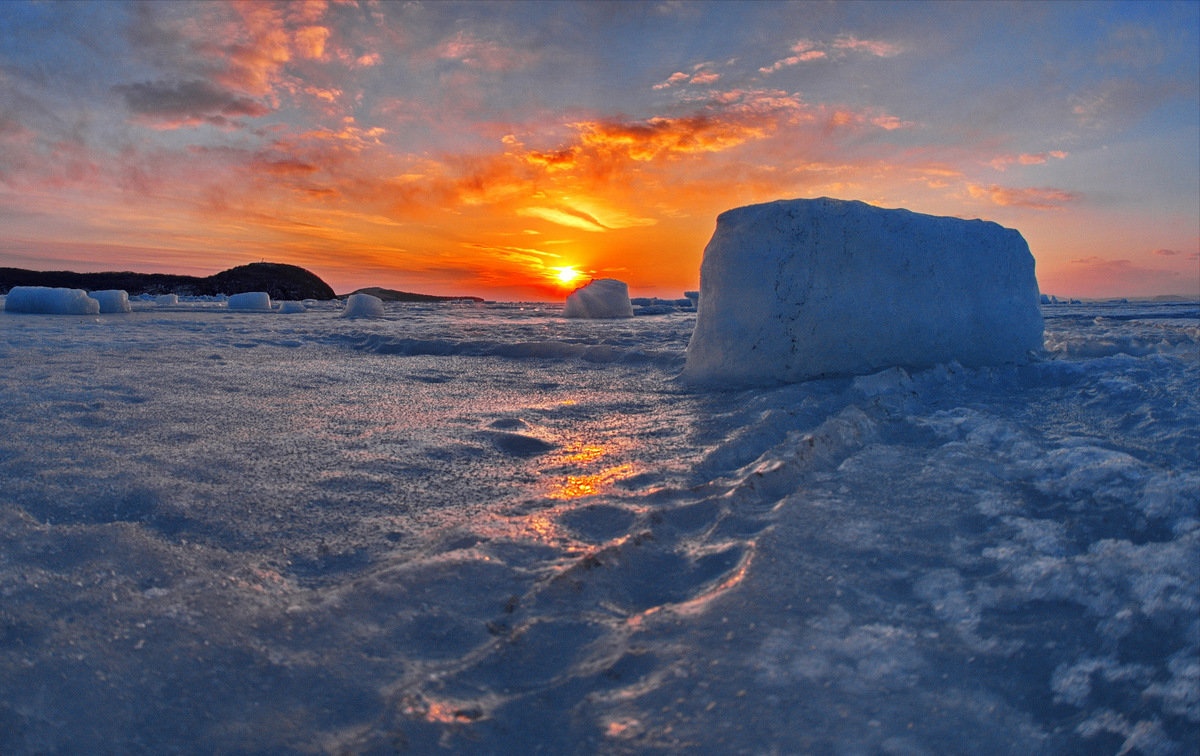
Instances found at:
x=1033 y=199
x=187 y=103
x=806 y=50
x=676 y=78
x=657 y=137
x=700 y=77
x=283 y=167
x=1002 y=162
x=1168 y=252
x=878 y=48
x=586 y=216
x=309 y=42
x=473 y=52
x=254 y=50
x=564 y=217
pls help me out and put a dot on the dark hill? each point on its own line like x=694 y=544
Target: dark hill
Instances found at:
x=391 y=295
x=278 y=280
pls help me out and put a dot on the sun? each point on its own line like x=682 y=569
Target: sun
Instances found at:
x=565 y=276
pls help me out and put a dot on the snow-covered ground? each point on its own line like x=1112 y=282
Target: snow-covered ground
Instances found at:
x=491 y=529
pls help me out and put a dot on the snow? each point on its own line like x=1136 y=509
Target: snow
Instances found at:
x=493 y=529
x=50 y=300
x=251 y=300
x=797 y=289
x=111 y=300
x=363 y=306
x=601 y=298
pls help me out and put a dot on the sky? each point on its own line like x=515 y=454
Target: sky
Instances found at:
x=515 y=150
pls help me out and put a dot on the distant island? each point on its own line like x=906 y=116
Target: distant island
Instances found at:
x=284 y=282
x=279 y=281
x=391 y=295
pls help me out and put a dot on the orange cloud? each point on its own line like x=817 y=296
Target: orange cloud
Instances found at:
x=655 y=137
x=564 y=217
x=255 y=49
x=309 y=42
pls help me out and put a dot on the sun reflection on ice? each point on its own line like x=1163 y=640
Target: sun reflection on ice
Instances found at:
x=578 y=486
x=588 y=484
x=564 y=481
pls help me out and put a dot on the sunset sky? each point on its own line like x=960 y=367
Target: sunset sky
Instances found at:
x=485 y=148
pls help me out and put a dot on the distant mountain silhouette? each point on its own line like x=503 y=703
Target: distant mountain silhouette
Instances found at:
x=391 y=295
x=280 y=281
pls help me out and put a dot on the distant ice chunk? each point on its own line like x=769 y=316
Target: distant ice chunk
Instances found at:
x=167 y=299
x=288 y=308
x=363 y=306
x=112 y=300
x=50 y=300
x=602 y=298
x=799 y=289
x=250 y=300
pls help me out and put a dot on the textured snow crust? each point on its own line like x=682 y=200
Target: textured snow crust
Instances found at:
x=492 y=529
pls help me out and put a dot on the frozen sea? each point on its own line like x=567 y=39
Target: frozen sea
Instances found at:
x=489 y=529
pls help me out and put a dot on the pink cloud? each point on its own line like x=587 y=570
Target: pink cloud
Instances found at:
x=482 y=54
x=676 y=78
x=877 y=48
x=1002 y=162
x=807 y=50
x=1033 y=199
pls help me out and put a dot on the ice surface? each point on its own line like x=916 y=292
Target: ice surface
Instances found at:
x=363 y=306
x=601 y=298
x=50 y=300
x=250 y=300
x=796 y=289
x=111 y=300
x=491 y=529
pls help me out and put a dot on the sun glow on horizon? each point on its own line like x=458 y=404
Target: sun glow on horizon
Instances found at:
x=566 y=275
